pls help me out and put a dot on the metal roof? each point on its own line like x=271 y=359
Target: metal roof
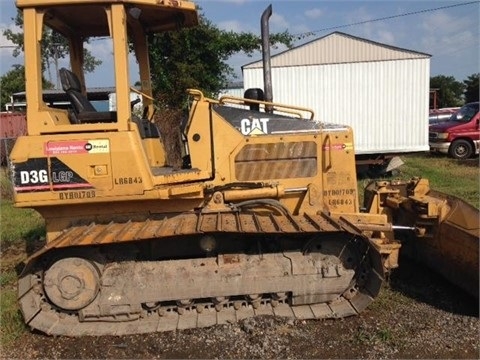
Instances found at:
x=88 y=18
x=337 y=48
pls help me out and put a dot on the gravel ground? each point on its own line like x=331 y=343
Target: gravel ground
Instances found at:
x=416 y=315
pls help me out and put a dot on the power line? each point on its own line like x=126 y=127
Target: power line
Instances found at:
x=384 y=18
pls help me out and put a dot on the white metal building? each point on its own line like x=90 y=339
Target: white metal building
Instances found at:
x=232 y=89
x=380 y=90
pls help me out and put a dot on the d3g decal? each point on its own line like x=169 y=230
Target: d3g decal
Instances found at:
x=37 y=175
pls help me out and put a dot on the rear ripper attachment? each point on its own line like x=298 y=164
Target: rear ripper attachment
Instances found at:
x=304 y=267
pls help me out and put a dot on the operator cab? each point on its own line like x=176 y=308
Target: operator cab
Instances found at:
x=122 y=26
x=82 y=21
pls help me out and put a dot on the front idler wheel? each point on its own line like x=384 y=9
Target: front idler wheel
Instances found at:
x=72 y=283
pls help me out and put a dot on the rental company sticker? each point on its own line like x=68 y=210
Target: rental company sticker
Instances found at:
x=76 y=147
x=98 y=146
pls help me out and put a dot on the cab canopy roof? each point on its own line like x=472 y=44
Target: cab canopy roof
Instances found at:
x=87 y=18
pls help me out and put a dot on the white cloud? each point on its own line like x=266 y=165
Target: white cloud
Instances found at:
x=441 y=22
x=103 y=74
x=6 y=49
x=278 y=22
x=238 y=2
x=385 y=36
x=380 y=31
x=102 y=49
x=314 y=13
x=441 y=39
x=235 y=26
x=360 y=15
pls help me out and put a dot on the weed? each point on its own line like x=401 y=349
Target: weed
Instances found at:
x=370 y=336
x=363 y=337
x=384 y=335
x=11 y=321
x=7 y=277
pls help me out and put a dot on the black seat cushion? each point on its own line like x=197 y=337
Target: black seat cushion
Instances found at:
x=71 y=85
x=83 y=111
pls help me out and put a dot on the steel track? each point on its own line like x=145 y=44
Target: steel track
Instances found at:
x=41 y=315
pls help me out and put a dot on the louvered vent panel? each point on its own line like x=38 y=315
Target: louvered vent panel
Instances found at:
x=276 y=161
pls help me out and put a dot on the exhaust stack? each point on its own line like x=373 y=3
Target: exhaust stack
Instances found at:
x=267 y=73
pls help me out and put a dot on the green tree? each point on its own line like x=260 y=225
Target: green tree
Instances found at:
x=197 y=58
x=54 y=47
x=472 y=88
x=14 y=81
x=450 y=93
x=11 y=82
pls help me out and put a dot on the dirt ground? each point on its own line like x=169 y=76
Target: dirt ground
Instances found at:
x=417 y=315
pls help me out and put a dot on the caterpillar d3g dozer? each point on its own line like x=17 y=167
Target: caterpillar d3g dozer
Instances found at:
x=264 y=218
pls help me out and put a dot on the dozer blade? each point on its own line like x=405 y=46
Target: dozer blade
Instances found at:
x=452 y=251
x=446 y=229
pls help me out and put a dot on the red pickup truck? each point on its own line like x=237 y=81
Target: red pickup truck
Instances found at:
x=459 y=137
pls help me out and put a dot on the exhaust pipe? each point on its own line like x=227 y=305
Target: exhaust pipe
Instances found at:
x=267 y=72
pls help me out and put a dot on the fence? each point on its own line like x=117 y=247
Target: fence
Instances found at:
x=12 y=125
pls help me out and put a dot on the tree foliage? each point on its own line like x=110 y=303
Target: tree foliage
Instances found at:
x=54 y=47
x=197 y=58
x=472 y=88
x=14 y=81
x=450 y=91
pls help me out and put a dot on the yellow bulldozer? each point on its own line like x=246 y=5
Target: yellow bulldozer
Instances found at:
x=263 y=219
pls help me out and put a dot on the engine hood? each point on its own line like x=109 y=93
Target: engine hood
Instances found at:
x=444 y=126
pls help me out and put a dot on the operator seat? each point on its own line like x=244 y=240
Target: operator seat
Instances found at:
x=83 y=111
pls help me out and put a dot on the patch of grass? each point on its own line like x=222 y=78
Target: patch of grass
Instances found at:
x=16 y=224
x=16 y=227
x=450 y=176
x=384 y=335
x=370 y=336
x=447 y=175
x=7 y=277
x=19 y=224
x=363 y=337
x=11 y=320
x=389 y=299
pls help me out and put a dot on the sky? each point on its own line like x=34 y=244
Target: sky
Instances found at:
x=447 y=30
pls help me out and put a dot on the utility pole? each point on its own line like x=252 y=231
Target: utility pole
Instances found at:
x=55 y=59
